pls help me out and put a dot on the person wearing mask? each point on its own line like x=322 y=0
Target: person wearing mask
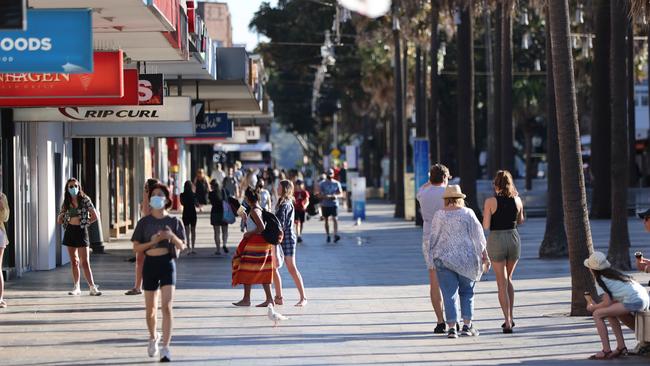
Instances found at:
x=253 y=260
x=285 y=214
x=621 y=297
x=77 y=213
x=301 y=199
x=145 y=210
x=160 y=238
x=219 y=226
x=330 y=191
x=265 y=195
x=457 y=252
x=201 y=187
x=218 y=174
x=4 y=241
x=501 y=215
x=230 y=185
x=190 y=203
x=430 y=198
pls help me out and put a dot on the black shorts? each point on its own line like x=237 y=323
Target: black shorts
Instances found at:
x=158 y=272
x=300 y=217
x=329 y=211
x=75 y=237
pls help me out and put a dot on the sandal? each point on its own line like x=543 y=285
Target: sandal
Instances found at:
x=278 y=300
x=618 y=353
x=133 y=291
x=605 y=355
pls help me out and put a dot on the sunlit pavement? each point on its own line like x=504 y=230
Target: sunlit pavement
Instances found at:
x=368 y=304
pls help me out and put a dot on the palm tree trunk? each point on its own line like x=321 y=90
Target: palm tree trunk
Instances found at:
x=399 y=133
x=507 y=149
x=574 y=198
x=421 y=127
x=631 y=122
x=554 y=244
x=492 y=118
x=498 y=164
x=433 y=111
x=619 y=242
x=466 y=140
x=601 y=127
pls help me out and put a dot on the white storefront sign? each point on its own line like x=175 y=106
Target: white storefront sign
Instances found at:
x=173 y=109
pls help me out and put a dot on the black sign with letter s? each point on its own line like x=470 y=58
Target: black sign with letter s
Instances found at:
x=150 y=89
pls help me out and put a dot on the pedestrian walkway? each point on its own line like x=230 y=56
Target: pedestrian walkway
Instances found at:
x=368 y=305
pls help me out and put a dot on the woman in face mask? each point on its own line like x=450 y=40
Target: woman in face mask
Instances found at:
x=76 y=215
x=160 y=238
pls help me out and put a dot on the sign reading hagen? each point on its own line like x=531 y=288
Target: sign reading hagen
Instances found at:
x=173 y=109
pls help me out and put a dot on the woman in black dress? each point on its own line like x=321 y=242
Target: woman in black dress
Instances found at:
x=219 y=226
x=189 y=202
x=202 y=189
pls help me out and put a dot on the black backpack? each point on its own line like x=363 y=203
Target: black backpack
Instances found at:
x=272 y=233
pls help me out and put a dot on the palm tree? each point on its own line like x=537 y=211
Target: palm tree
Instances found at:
x=554 y=244
x=507 y=148
x=432 y=126
x=496 y=130
x=493 y=130
x=399 y=146
x=619 y=243
x=631 y=121
x=574 y=196
x=601 y=117
x=467 y=164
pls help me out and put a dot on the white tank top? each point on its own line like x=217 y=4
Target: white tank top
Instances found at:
x=250 y=223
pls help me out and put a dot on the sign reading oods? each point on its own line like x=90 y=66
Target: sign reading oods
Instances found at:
x=54 y=41
x=12 y=14
x=214 y=125
x=174 y=109
x=150 y=89
x=130 y=97
x=106 y=81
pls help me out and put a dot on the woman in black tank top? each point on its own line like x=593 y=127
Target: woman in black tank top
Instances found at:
x=501 y=215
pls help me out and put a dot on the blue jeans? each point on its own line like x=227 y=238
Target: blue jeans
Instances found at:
x=452 y=286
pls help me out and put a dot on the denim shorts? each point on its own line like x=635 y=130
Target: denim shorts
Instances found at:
x=158 y=272
x=636 y=305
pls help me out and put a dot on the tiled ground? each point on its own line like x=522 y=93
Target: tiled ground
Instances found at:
x=368 y=305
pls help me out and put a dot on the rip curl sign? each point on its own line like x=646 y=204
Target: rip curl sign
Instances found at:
x=54 y=41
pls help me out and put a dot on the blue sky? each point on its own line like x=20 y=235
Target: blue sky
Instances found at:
x=242 y=12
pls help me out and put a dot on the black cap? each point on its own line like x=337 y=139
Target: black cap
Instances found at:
x=644 y=214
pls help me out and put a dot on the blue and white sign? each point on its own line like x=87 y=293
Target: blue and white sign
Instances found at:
x=215 y=125
x=358 y=197
x=420 y=161
x=56 y=41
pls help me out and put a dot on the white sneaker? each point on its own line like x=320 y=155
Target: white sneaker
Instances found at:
x=75 y=291
x=165 y=355
x=94 y=291
x=153 y=346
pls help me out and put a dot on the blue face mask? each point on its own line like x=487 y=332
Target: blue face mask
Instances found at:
x=74 y=191
x=157 y=202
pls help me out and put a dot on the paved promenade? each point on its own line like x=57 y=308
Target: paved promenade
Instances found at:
x=368 y=305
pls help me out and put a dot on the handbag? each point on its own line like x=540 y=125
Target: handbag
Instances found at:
x=228 y=215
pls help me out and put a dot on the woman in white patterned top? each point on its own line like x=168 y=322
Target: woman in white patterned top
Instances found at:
x=457 y=251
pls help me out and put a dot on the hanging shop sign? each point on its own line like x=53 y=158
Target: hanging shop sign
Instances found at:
x=151 y=89
x=132 y=129
x=130 y=97
x=174 y=109
x=214 y=125
x=106 y=81
x=54 y=41
x=12 y=15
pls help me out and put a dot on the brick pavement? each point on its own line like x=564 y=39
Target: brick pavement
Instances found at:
x=368 y=305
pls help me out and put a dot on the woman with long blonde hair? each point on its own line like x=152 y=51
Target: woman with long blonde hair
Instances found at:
x=501 y=215
x=286 y=215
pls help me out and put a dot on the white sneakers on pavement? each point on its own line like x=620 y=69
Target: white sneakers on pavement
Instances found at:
x=76 y=291
x=152 y=349
x=94 y=291
x=165 y=354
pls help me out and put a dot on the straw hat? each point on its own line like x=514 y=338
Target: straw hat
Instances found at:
x=453 y=191
x=597 y=261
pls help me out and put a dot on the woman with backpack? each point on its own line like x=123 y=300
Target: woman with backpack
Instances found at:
x=253 y=261
x=285 y=214
x=218 y=216
x=621 y=296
